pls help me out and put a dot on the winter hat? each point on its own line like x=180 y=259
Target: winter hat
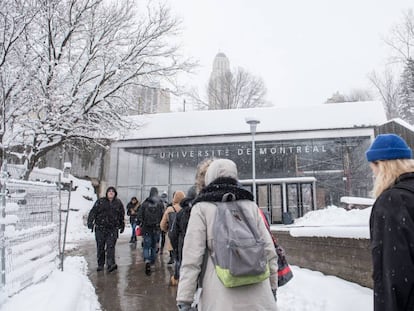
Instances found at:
x=191 y=192
x=388 y=147
x=221 y=168
x=113 y=189
x=153 y=192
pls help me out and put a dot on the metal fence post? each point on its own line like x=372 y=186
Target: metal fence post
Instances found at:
x=60 y=220
x=3 y=194
x=66 y=225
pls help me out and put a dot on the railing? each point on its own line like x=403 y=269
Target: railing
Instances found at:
x=29 y=239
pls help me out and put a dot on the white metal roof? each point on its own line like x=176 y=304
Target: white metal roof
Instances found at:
x=272 y=119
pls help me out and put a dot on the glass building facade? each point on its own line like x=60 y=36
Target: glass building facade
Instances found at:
x=337 y=163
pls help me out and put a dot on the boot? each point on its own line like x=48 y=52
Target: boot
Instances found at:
x=147 y=268
x=171 y=261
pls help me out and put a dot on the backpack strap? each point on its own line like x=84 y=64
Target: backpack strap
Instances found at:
x=231 y=198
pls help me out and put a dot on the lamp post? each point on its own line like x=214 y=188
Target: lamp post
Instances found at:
x=253 y=124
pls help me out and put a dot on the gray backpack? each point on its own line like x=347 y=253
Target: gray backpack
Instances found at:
x=238 y=250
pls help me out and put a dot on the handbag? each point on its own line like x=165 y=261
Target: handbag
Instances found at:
x=284 y=272
x=138 y=231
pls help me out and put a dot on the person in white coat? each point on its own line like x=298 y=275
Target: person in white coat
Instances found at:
x=221 y=178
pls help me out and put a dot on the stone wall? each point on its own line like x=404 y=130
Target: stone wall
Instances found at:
x=348 y=259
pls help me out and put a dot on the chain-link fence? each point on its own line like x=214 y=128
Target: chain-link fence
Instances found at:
x=31 y=223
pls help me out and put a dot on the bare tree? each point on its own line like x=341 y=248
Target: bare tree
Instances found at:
x=355 y=95
x=87 y=55
x=15 y=17
x=401 y=38
x=358 y=95
x=233 y=90
x=388 y=89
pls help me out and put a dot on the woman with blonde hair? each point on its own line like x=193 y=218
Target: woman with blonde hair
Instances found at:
x=202 y=167
x=392 y=223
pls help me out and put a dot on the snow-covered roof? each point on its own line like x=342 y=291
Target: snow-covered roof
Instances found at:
x=272 y=119
x=402 y=123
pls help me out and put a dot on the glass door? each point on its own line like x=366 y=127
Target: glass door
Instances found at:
x=276 y=204
x=263 y=199
x=307 y=198
x=293 y=203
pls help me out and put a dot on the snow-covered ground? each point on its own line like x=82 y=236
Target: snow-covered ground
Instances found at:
x=331 y=221
x=71 y=290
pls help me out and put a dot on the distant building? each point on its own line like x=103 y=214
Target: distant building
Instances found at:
x=152 y=99
x=221 y=68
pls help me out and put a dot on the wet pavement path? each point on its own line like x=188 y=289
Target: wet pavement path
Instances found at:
x=129 y=288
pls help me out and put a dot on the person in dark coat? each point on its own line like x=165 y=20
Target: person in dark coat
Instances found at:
x=149 y=217
x=392 y=223
x=106 y=218
x=132 y=212
x=177 y=233
x=164 y=199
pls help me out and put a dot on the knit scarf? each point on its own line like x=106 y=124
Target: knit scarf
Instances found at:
x=215 y=191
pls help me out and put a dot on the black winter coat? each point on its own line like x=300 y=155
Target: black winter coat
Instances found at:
x=107 y=215
x=142 y=212
x=392 y=246
x=177 y=233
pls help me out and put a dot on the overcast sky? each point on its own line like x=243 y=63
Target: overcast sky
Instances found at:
x=304 y=50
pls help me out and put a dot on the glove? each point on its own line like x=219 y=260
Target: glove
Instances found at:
x=90 y=226
x=274 y=292
x=182 y=306
x=121 y=230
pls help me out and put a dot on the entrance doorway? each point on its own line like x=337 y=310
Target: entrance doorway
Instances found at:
x=284 y=199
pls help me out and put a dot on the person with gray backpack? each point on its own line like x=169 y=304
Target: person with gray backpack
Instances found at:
x=227 y=243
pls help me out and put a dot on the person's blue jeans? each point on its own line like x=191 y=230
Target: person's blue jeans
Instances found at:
x=150 y=243
x=134 y=227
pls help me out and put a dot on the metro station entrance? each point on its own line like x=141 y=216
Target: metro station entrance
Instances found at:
x=284 y=199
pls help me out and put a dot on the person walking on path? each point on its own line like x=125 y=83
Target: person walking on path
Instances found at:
x=165 y=221
x=177 y=233
x=107 y=217
x=164 y=199
x=392 y=223
x=132 y=212
x=221 y=180
x=149 y=217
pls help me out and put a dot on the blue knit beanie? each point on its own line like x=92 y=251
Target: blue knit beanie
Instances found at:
x=388 y=147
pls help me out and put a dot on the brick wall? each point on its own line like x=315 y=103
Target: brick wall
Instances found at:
x=349 y=259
